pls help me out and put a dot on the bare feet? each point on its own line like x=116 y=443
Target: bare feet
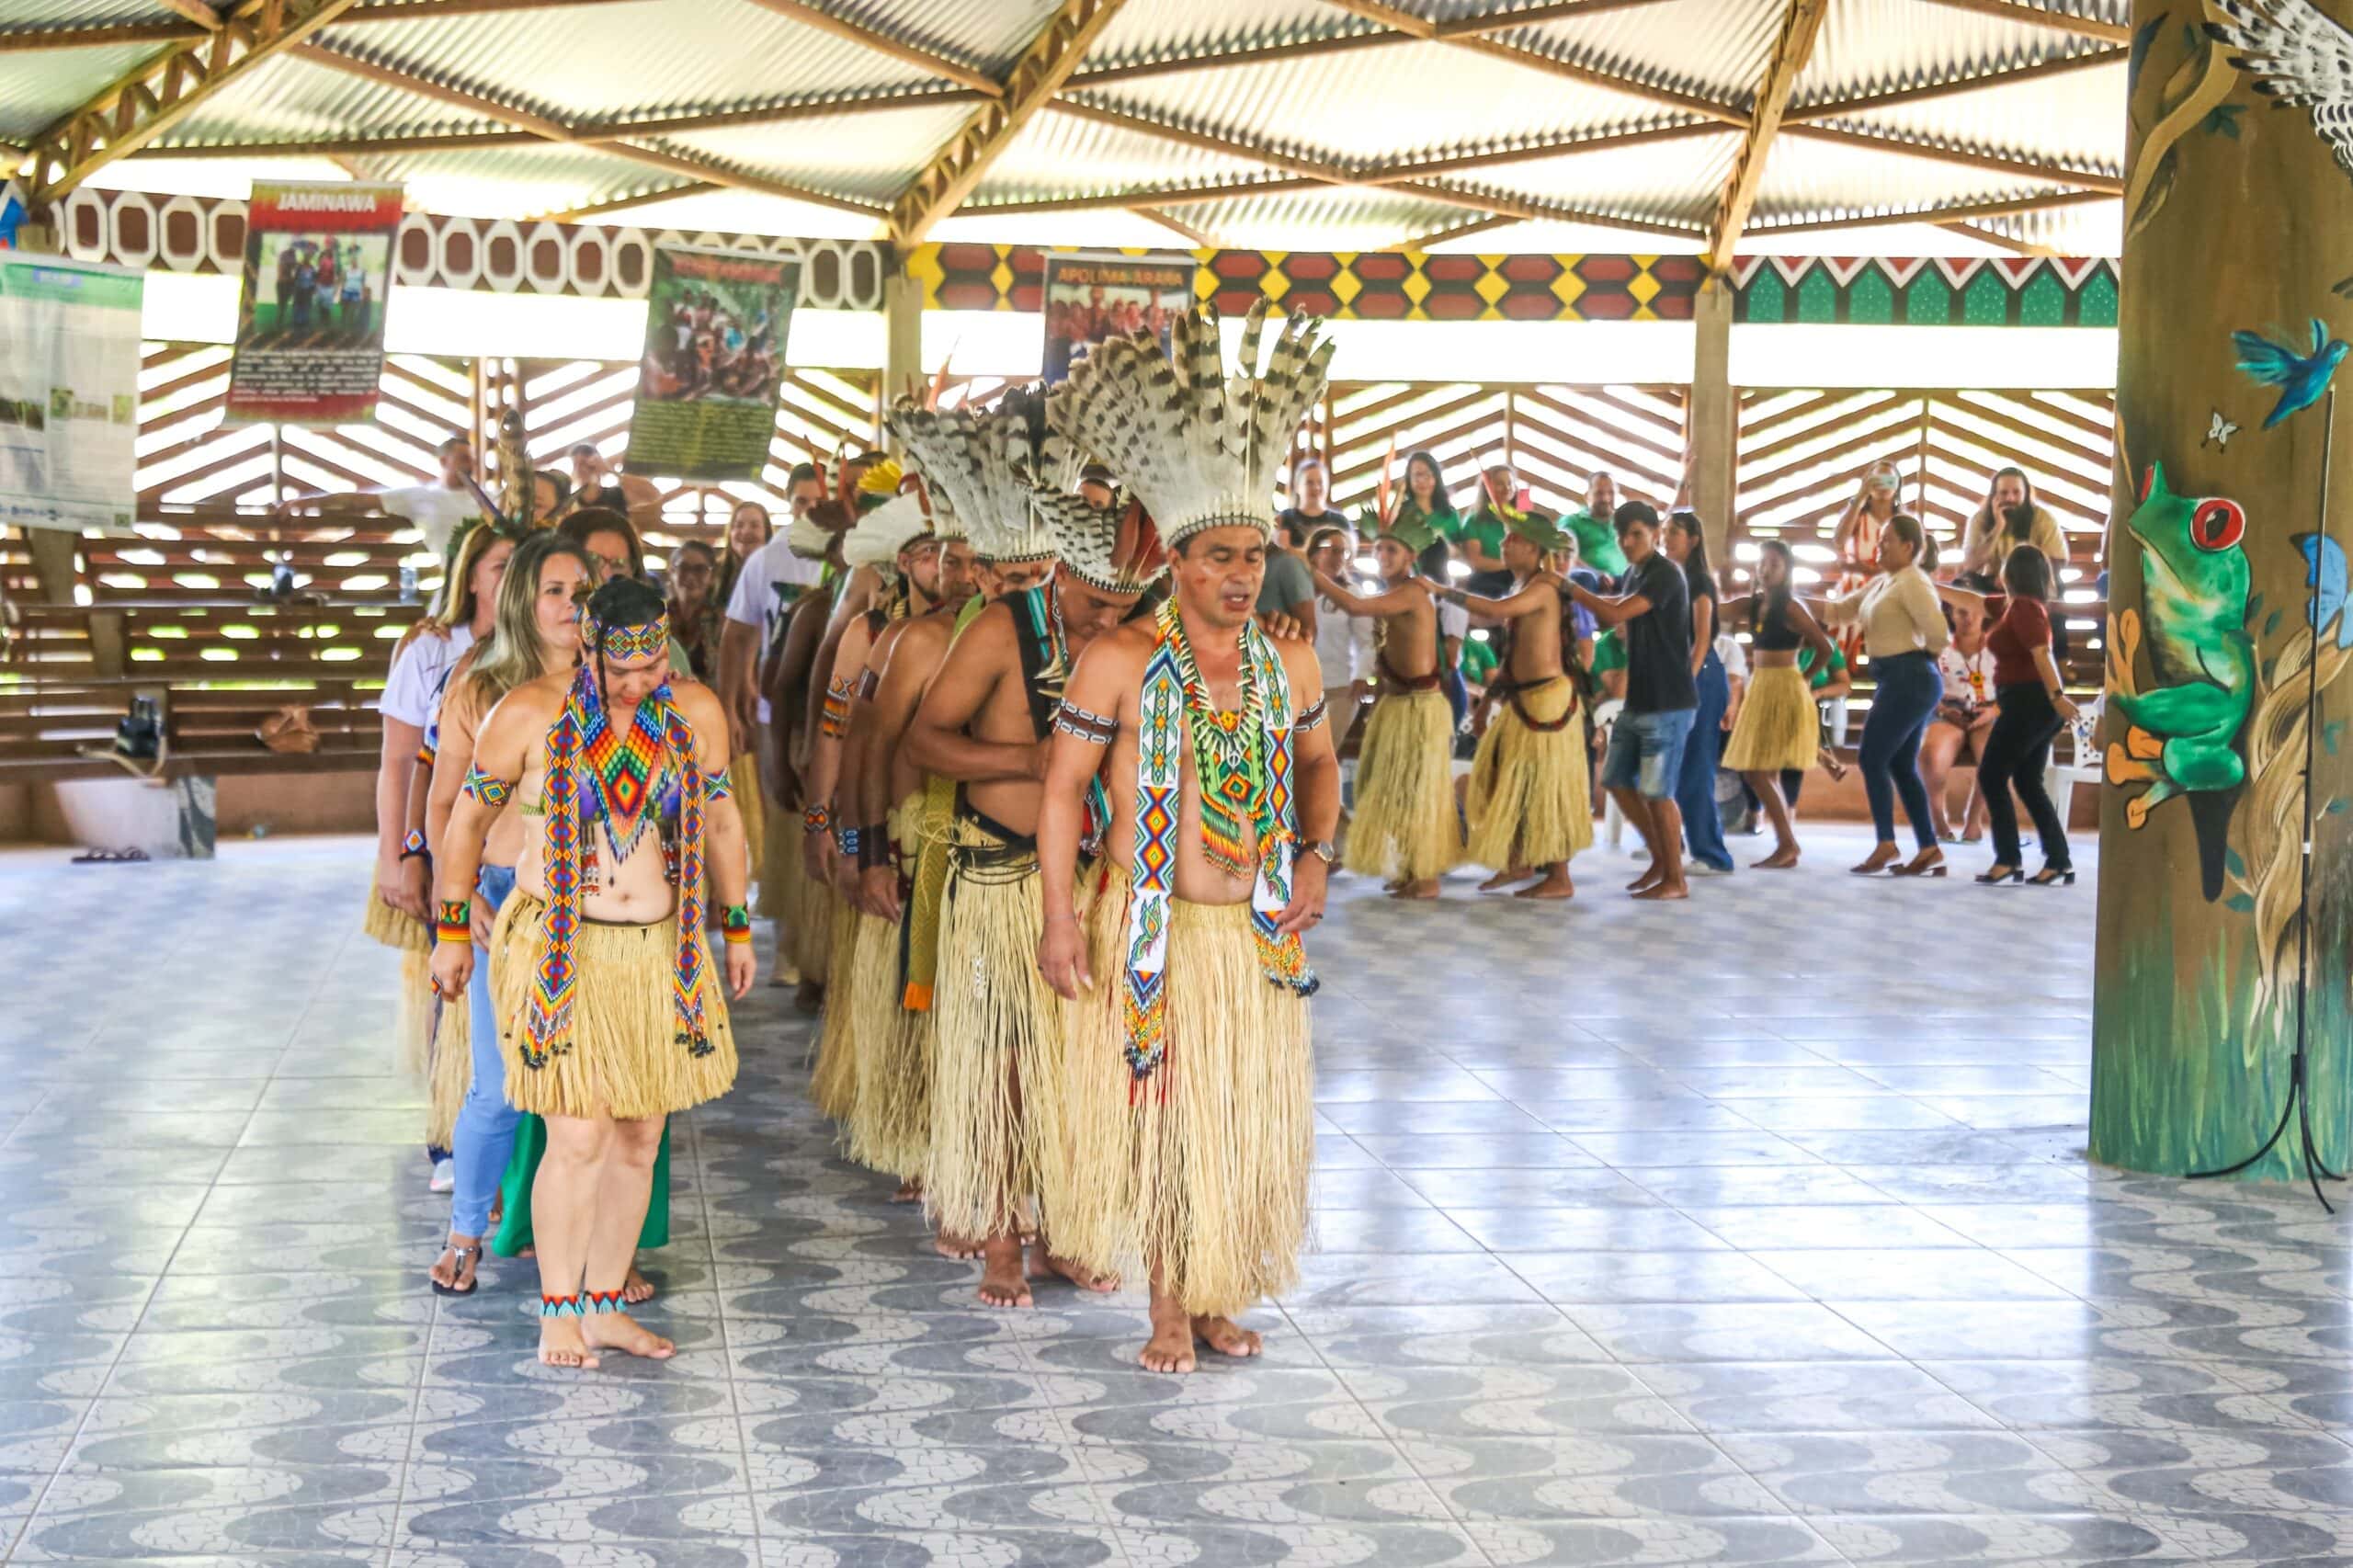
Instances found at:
x=1650 y=878
x=618 y=1331
x=1228 y=1337
x=1077 y=1273
x=1784 y=858
x=562 y=1345
x=957 y=1247
x=453 y=1271
x=1665 y=891
x=909 y=1192
x=1004 y=1281
x=1425 y=887
x=1503 y=879
x=1882 y=856
x=637 y=1289
x=1170 y=1348
x=1556 y=884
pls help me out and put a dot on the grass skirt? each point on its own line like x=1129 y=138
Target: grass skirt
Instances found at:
x=804 y=908
x=743 y=773
x=623 y=1059
x=513 y=1233
x=390 y=926
x=450 y=1074
x=1406 y=824
x=833 y=1084
x=888 y=1125
x=1204 y=1167
x=1530 y=804
x=997 y=1139
x=778 y=864
x=1778 y=726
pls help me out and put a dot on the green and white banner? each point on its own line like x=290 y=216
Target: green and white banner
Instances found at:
x=69 y=392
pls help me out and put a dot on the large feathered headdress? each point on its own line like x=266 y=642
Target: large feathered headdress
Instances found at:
x=1114 y=549
x=980 y=465
x=1199 y=446
x=883 y=532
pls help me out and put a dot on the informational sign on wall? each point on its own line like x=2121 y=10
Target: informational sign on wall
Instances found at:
x=1091 y=297
x=311 y=321
x=713 y=367
x=68 y=391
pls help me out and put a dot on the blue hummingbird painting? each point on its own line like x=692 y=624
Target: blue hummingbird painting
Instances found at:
x=2301 y=377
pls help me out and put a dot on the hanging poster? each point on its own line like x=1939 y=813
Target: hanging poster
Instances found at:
x=68 y=391
x=311 y=321
x=714 y=368
x=1091 y=297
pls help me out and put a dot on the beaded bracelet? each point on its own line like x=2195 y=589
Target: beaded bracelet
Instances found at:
x=816 y=819
x=412 y=844
x=453 y=921
x=847 y=840
x=735 y=923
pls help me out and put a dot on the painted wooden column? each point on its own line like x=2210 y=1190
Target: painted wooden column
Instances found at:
x=2236 y=317
x=1713 y=418
x=903 y=334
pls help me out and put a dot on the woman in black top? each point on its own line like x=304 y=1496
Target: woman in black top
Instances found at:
x=1695 y=787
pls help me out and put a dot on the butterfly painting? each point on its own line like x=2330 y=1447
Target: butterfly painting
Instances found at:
x=2324 y=574
x=2219 y=432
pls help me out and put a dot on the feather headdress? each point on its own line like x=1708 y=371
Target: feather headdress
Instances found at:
x=884 y=531
x=1114 y=549
x=806 y=539
x=1200 y=447
x=980 y=464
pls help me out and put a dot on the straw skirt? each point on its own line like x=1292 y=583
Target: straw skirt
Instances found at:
x=1778 y=726
x=1406 y=824
x=996 y=1134
x=1530 y=803
x=623 y=1059
x=1202 y=1168
x=390 y=926
x=833 y=1084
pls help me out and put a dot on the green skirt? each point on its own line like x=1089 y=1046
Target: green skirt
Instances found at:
x=515 y=1221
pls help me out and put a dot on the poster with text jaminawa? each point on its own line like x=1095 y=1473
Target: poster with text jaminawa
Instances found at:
x=69 y=392
x=1092 y=298
x=713 y=367
x=311 y=321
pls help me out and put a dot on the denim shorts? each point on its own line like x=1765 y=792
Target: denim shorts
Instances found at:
x=1646 y=752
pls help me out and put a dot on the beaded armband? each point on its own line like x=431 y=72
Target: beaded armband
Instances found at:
x=426 y=753
x=874 y=847
x=490 y=791
x=735 y=924
x=816 y=819
x=833 y=718
x=412 y=844
x=850 y=841
x=869 y=683
x=1095 y=729
x=717 y=787
x=1311 y=720
x=453 y=920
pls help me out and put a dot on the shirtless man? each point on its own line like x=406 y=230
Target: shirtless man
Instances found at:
x=1404 y=829
x=1187 y=1075
x=997 y=1142
x=1527 y=803
x=610 y=1015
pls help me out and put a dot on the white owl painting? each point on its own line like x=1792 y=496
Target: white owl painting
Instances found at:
x=2297 y=56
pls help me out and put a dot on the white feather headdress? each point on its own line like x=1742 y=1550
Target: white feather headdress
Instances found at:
x=980 y=464
x=880 y=534
x=806 y=539
x=1199 y=446
x=1087 y=539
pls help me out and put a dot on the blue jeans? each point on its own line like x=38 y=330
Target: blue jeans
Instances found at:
x=1646 y=752
x=486 y=1134
x=1695 y=785
x=1909 y=688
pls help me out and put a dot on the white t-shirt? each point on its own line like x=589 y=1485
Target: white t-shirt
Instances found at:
x=1453 y=620
x=436 y=511
x=1969 y=678
x=1343 y=644
x=412 y=691
x=1733 y=656
x=756 y=600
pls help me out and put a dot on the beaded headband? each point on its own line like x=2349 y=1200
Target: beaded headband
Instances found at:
x=627 y=643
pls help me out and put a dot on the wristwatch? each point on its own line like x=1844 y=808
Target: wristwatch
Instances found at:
x=1324 y=850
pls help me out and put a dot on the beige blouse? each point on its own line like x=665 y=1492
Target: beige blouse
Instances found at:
x=1899 y=613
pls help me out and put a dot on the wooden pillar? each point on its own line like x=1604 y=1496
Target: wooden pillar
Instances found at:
x=2212 y=689
x=902 y=334
x=1711 y=436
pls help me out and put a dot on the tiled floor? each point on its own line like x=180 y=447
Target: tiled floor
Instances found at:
x=1755 y=1231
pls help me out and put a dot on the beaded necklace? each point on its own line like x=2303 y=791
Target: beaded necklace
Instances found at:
x=1229 y=756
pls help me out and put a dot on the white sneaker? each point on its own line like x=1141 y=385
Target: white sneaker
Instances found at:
x=445 y=1175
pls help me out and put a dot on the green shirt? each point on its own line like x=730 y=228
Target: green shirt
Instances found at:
x=1816 y=679
x=1596 y=543
x=1609 y=651
x=1482 y=527
x=1479 y=659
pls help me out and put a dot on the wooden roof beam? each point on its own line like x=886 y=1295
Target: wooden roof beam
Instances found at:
x=941 y=184
x=1176 y=225
x=624 y=203
x=1207 y=141
x=2003 y=208
x=1960 y=157
x=1800 y=23
x=472 y=103
x=882 y=43
x=160 y=92
x=1460 y=231
x=2038 y=17
x=1550 y=211
x=195 y=11
x=1997 y=239
x=1799 y=114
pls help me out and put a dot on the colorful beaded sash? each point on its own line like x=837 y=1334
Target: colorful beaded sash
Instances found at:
x=572 y=782
x=1269 y=825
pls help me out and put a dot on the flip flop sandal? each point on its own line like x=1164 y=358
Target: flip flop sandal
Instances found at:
x=462 y=1255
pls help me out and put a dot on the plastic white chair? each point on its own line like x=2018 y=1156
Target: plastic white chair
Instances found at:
x=2075 y=757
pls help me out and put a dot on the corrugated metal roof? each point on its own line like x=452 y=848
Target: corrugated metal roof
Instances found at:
x=1549 y=238
x=285 y=99
x=2077 y=117
x=1374 y=105
x=1174 y=29
x=1348 y=218
x=1714 y=48
x=1062 y=154
x=31 y=15
x=1869 y=45
x=509 y=182
x=990 y=34
x=1806 y=180
x=578 y=62
x=1667 y=182
x=869 y=156
x=39 y=86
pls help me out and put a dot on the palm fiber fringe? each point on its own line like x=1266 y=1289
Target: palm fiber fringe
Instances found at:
x=1406 y=824
x=888 y=1126
x=623 y=1059
x=1529 y=802
x=744 y=774
x=451 y=1076
x=1203 y=1168
x=778 y=865
x=832 y=1085
x=390 y=926
x=997 y=1139
x=1780 y=725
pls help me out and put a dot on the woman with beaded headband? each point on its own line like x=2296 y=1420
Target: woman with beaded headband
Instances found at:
x=1189 y=1130
x=612 y=1012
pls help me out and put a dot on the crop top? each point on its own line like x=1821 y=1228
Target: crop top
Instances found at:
x=1775 y=634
